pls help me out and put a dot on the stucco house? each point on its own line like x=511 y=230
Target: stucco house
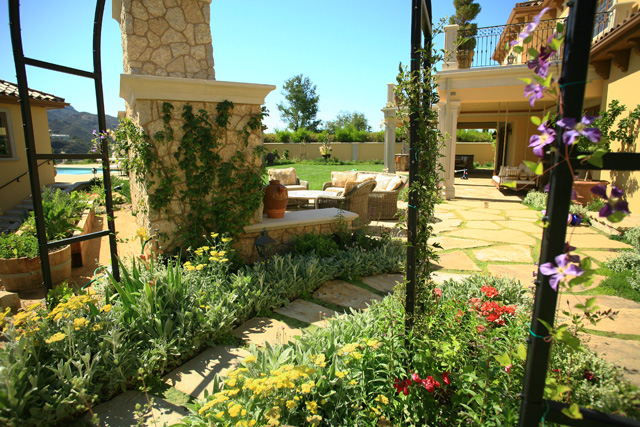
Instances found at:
x=14 y=181
x=489 y=94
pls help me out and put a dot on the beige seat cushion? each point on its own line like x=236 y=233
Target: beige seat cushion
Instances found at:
x=285 y=176
x=339 y=179
x=394 y=183
x=337 y=190
x=362 y=177
x=381 y=182
x=295 y=187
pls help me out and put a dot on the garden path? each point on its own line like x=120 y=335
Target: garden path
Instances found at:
x=482 y=231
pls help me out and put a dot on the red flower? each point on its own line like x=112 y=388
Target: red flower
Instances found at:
x=437 y=292
x=402 y=386
x=480 y=328
x=445 y=378
x=430 y=384
x=507 y=368
x=489 y=291
x=415 y=377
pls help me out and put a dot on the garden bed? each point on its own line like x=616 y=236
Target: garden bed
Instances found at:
x=79 y=250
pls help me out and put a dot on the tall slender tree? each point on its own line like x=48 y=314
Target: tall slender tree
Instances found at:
x=301 y=106
x=466 y=11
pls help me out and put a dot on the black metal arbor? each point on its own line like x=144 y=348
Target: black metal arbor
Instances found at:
x=535 y=409
x=32 y=156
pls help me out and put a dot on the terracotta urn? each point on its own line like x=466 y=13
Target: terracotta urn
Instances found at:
x=275 y=199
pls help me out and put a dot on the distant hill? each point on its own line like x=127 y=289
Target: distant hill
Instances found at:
x=78 y=125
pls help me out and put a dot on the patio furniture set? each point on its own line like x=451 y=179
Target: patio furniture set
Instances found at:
x=372 y=195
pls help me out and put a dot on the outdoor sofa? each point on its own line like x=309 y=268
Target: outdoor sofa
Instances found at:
x=521 y=175
x=383 y=199
x=288 y=178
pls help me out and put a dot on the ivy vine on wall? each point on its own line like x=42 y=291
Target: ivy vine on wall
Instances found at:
x=202 y=191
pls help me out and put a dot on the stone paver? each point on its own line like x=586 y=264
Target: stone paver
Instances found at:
x=519 y=213
x=262 y=330
x=196 y=376
x=309 y=312
x=440 y=277
x=627 y=321
x=600 y=256
x=454 y=243
x=507 y=253
x=119 y=411
x=487 y=211
x=597 y=241
x=513 y=236
x=528 y=226
x=480 y=216
x=623 y=353
x=346 y=295
x=521 y=272
x=457 y=260
x=384 y=282
x=582 y=229
x=483 y=225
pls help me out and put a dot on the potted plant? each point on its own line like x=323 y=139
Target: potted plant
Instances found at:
x=325 y=150
x=19 y=253
x=466 y=11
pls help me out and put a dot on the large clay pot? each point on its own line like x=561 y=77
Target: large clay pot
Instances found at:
x=583 y=190
x=275 y=199
x=25 y=274
x=464 y=58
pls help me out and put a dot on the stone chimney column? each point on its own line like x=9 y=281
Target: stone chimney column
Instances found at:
x=166 y=38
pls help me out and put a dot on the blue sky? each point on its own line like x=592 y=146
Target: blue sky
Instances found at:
x=349 y=49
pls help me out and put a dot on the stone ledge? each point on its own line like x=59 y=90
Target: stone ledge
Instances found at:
x=134 y=87
x=301 y=218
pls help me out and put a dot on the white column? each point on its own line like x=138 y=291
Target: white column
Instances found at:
x=450 y=38
x=449 y=124
x=390 y=130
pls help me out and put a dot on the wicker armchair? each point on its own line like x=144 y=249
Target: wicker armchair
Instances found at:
x=382 y=204
x=356 y=200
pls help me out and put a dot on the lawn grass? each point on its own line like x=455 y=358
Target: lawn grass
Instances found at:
x=615 y=284
x=319 y=174
x=628 y=337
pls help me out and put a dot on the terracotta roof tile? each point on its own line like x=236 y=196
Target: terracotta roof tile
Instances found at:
x=11 y=89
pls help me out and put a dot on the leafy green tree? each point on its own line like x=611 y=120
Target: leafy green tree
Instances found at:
x=344 y=119
x=466 y=11
x=301 y=106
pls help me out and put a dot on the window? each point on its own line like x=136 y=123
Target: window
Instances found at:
x=603 y=16
x=5 y=142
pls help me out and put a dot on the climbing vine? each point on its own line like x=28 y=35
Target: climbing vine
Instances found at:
x=198 y=187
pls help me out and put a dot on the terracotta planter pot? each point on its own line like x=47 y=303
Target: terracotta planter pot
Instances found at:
x=464 y=58
x=583 y=190
x=25 y=274
x=275 y=199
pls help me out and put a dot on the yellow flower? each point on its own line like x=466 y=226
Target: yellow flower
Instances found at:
x=3 y=315
x=59 y=336
x=235 y=410
x=231 y=382
x=312 y=406
x=353 y=382
x=80 y=322
x=372 y=343
x=34 y=306
x=319 y=360
x=342 y=374
x=306 y=387
x=382 y=399
x=106 y=308
x=189 y=267
x=96 y=327
x=204 y=248
x=250 y=359
x=356 y=355
x=314 y=420
x=291 y=404
x=226 y=239
x=224 y=260
x=142 y=234
x=200 y=267
x=214 y=235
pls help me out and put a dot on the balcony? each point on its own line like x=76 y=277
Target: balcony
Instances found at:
x=492 y=44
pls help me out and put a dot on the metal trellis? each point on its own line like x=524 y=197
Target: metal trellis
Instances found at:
x=32 y=156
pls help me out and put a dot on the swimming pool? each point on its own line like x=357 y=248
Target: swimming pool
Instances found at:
x=66 y=170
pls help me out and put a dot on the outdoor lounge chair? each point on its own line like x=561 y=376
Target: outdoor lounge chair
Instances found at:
x=354 y=200
x=522 y=176
x=288 y=178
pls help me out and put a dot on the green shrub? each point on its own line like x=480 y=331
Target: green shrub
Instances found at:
x=283 y=135
x=270 y=137
x=626 y=260
x=15 y=246
x=632 y=236
x=595 y=204
x=472 y=135
x=321 y=244
x=536 y=200
x=301 y=135
x=378 y=136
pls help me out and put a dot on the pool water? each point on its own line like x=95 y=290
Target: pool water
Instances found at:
x=65 y=170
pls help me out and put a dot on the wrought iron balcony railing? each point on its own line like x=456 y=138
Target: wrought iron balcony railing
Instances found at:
x=490 y=46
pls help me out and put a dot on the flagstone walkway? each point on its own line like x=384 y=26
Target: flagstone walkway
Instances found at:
x=482 y=231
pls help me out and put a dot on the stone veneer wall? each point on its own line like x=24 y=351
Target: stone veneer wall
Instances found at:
x=148 y=115
x=167 y=38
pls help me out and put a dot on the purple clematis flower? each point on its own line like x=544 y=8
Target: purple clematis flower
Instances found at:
x=529 y=28
x=574 y=129
x=540 y=64
x=538 y=142
x=615 y=202
x=565 y=267
x=535 y=91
